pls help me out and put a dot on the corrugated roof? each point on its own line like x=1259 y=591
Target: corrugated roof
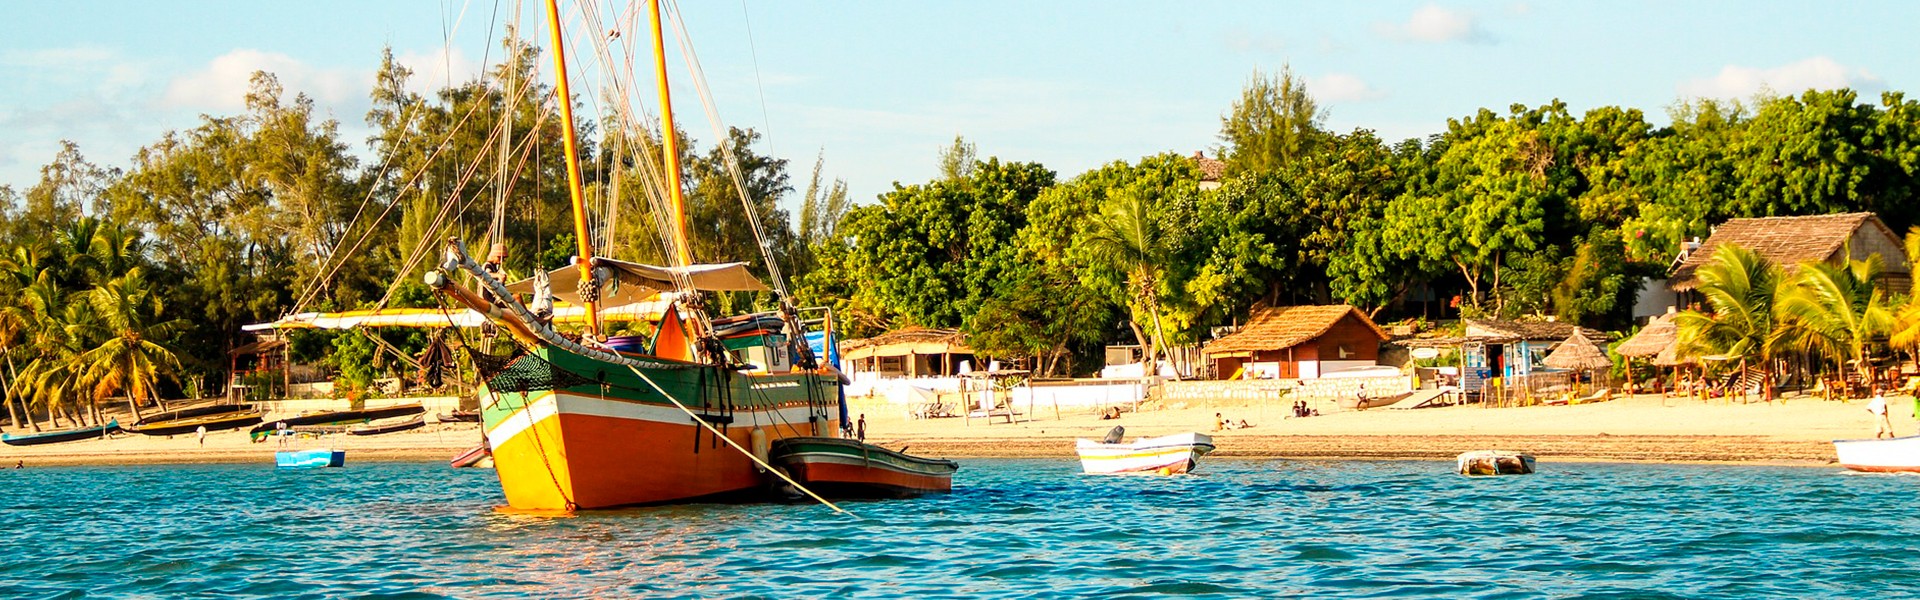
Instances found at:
x=1784 y=241
x=1277 y=327
x=1524 y=330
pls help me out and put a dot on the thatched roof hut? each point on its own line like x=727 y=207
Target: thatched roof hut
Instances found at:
x=1657 y=336
x=1789 y=241
x=1578 y=353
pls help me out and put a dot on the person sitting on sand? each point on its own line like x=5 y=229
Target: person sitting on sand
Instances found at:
x=1218 y=422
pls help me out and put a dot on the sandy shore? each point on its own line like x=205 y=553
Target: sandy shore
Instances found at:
x=1643 y=428
x=434 y=442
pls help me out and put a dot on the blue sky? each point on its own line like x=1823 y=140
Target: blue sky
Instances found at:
x=881 y=87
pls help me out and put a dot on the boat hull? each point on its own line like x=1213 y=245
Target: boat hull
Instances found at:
x=1880 y=456
x=267 y=428
x=479 y=457
x=1165 y=455
x=55 y=437
x=309 y=459
x=1493 y=462
x=844 y=468
x=213 y=422
x=1363 y=404
x=586 y=446
x=371 y=429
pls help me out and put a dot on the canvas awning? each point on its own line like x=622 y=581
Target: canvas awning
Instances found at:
x=434 y=317
x=636 y=282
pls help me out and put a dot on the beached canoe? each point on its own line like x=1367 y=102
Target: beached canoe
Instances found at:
x=460 y=416
x=1354 y=403
x=479 y=456
x=309 y=459
x=67 y=435
x=1884 y=456
x=343 y=417
x=388 y=427
x=844 y=468
x=1164 y=455
x=216 y=421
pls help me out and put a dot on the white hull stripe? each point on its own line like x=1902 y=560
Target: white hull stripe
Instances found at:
x=561 y=403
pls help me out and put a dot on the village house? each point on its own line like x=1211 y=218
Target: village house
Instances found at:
x=1297 y=342
x=1788 y=242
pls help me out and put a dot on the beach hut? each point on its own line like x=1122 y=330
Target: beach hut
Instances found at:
x=1790 y=241
x=910 y=352
x=1298 y=342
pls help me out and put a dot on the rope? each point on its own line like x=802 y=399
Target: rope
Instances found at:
x=735 y=445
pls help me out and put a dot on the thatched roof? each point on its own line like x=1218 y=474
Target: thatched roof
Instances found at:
x=1784 y=241
x=1579 y=353
x=1501 y=329
x=910 y=340
x=1670 y=357
x=1281 y=327
x=1210 y=169
x=1659 y=334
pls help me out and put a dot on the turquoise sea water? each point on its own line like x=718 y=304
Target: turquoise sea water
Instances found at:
x=1013 y=528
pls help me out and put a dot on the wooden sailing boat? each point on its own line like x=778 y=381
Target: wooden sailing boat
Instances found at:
x=579 y=425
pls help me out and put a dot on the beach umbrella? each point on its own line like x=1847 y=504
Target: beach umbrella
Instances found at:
x=1656 y=337
x=1578 y=353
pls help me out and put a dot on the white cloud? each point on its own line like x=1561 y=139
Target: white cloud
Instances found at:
x=222 y=85
x=1819 y=72
x=1435 y=24
x=1341 y=87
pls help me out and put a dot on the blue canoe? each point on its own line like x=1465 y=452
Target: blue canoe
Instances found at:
x=310 y=459
x=54 y=437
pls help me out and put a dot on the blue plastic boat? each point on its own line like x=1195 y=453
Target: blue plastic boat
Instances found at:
x=310 y=459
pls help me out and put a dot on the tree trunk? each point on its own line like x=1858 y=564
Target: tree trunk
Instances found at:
x=1159 y=334
x=1473 y=283
x=133 y=403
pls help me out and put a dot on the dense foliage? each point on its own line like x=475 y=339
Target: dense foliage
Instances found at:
x=127 y=282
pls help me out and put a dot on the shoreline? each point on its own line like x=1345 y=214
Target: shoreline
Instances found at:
x=1635 y=429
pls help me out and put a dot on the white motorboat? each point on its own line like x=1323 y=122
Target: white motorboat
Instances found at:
x=1164 y=455
x=1885 y=455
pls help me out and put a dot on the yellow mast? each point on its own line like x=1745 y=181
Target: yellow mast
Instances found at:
x=585 y=259
x=669 y=144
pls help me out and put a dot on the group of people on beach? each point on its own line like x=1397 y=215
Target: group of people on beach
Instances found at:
x=1222 y=423
x=1300 y=409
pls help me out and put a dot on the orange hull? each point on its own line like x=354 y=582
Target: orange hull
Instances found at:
x=566 y=451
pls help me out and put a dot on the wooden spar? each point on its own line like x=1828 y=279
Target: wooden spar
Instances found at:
x=668 y=143
x=565 y=97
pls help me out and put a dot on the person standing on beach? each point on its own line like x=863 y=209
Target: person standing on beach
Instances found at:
x=1878 y=406
x=280 y=431
x=201 y=432
x=860 y=428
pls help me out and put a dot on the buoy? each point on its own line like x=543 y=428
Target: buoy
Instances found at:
x=760 y=447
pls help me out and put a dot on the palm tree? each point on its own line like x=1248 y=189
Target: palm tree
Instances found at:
x=47 y=380
x=1836 y=311
x=130 y=359
x=1127 y=237
x=1741 y=287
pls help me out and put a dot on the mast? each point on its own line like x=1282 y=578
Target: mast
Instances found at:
x=584 y=261
x=669 y=144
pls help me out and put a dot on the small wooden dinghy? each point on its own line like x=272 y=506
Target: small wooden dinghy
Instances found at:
x=1494 y=462
x=843 y=468
x=460 y=416
x=480 y=456
x=388 y=427
x=309 y=459
x=1879 y=456
x=1164 y=455
x=1357 y=403
x=66 y=435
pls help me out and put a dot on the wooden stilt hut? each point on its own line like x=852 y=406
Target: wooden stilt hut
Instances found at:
x=1652 y=340
x=1581 y=355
